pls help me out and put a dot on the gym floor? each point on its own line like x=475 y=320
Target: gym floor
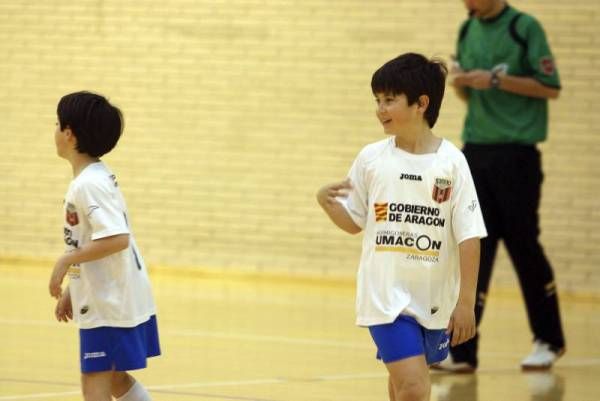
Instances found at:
x=228 y=337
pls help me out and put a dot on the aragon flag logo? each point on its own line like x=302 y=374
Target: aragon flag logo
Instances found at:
x=381 y=211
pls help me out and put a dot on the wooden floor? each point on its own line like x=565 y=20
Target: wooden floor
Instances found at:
x=226 y=338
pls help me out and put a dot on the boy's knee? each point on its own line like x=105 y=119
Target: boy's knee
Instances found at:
x=96 y=386
x=95 y=393
x=412 y=390
x=121 y=383
x=122 y=378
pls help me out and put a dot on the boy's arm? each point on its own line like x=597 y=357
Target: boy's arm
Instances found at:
x=462 y=322
x=334 y=209
x=93 y=250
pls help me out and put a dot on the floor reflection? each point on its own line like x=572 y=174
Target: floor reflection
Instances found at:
x=508 y=386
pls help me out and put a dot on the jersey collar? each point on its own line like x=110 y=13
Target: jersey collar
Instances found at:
x=497 y=16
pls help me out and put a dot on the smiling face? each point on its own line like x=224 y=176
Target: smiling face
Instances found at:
x=395 y=114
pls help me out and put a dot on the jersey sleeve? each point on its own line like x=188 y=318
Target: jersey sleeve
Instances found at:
x=356 y=204
x=467 y=219
x=102 y=209
x=539 y=56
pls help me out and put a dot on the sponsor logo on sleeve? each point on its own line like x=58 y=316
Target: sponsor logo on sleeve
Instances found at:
x=91 y=209
x=472 y=206
x=547 y=65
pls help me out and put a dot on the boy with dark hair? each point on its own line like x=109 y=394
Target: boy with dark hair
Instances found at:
x=413 y=195
x=109 y=292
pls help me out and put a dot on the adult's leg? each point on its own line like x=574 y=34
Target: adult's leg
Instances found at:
x=521 y=227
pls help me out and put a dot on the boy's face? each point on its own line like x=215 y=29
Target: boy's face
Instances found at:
x=394 y=113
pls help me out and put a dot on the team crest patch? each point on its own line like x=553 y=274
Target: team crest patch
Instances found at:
x=71 y=215
x=442 y=189
x=547 y=65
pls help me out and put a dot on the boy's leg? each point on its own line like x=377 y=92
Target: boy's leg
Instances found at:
x=96 y=386
x=391 y=391
x=409 y=379
x=402 y=347
x=121 y=383
x=125 y=388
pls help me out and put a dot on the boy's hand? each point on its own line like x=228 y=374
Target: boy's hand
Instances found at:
x=58 y=274
x=64 y=309
x=336 y=211
x=328 y=193
x=462 y=323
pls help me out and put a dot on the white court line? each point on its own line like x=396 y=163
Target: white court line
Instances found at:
x=38 y=395
x=281 y=380
x=577 y=362
x=21 y=322
x=211 y=384
x=217 y=384
x=565 y=361
x=341 y=377
x=219 y=335
x=267 y=338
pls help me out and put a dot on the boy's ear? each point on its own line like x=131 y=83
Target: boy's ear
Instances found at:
x=69 y=134
x=423 y=102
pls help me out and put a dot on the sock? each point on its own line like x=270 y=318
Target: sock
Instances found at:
x=137 y=392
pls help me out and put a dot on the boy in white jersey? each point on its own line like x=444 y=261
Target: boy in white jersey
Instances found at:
x=414 y=197
x=109 y=292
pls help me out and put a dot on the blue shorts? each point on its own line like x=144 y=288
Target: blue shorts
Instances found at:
x=118 y=348
x=405 y=338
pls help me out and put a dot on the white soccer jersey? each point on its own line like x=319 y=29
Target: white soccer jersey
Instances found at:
x=414 y=210
x=115 y=290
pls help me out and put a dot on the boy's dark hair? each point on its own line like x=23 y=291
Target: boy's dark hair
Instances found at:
x=95 y=122
x=413 y=75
